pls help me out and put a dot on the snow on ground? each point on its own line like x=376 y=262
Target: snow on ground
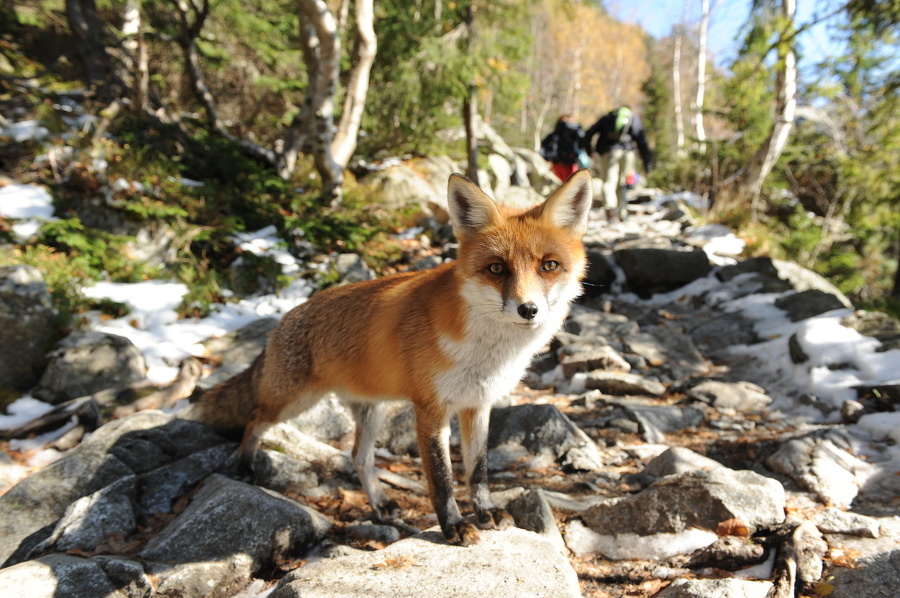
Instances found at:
x=153 y=324
x=29 y=206
x=165 y=340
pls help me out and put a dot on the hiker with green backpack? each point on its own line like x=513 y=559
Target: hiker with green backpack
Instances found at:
x=618 y=134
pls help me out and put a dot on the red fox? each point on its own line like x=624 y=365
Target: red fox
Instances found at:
x=454 y=339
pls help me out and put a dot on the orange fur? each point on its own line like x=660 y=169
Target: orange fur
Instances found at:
x=454 y=339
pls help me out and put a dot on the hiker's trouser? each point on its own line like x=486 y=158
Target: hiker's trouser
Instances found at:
x=615 y=165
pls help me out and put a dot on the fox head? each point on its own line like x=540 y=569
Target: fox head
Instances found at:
x=521 y=267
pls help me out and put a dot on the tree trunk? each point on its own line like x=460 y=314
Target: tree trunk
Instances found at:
x=699 y=130
x=470 y=116
x=895 y=292
x=322 y=53
x=344 y=143
x=676 y=96
x=470 y=105
x=785 y=106
x=90 y=44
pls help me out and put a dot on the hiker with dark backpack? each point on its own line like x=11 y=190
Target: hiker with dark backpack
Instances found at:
x=618 y=134
x=565 y=148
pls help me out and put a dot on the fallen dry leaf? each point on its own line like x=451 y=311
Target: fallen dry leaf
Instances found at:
x=402 y=562
x=733 y=527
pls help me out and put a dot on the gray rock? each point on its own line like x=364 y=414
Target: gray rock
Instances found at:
x=307 y=450
x=92 y=518
x=241 y=347
x=11 y=472
x=87 y=362
x=58 y=575
x=806 y=304
x=836 y=521
x=327 y=420
x=804 y=279
x=669 y=349
x=504 y=564
x=130 y=446
x=398 y=433
x=531 y=511
x=731 y=397
x=876 y=576
x=716 y=588
x=237 y=519
x=31 y=508
x=715 y=334
x=162 y=487
x=678 y=459
x=623 y=383
x=500 y=172
x=600 y=276
x=29 y=325
x=594 y=325
x=403 y=186
x=694 y=499
x=651 y=270
x=285 y=474
x=875 y=570
x=756 y=265
x=876 y=324
x=148 y=440
x=587 y=360
x=353 y=268
x=821 y=463
x=540 y=177
x=252 y=274
x=654 y=421
x=541 y=432
x=215 y=579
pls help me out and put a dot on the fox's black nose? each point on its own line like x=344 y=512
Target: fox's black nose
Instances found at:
x=528 y=310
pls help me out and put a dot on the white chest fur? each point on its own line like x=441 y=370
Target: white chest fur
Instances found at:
x=493 y=355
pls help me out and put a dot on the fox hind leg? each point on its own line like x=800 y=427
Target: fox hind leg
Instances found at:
x=473 y=427
x=369 y=417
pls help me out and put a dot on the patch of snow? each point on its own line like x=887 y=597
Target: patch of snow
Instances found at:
x=582 y=540
x=23 y=410
x=30 y=205
x=25 y=130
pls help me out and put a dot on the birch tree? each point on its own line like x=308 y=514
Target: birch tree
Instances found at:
x=699 y=130
x=676 y=99
x=785 y=106
x=312 y=130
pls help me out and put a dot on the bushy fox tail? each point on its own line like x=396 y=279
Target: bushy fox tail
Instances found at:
x=230 y=405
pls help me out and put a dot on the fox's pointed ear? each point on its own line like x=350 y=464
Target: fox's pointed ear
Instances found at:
x=470 y=209
x=569 y=206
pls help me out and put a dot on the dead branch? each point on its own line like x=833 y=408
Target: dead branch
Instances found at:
x=182 y=387
x=88 y=411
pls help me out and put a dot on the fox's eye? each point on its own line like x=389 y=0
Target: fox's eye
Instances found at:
x=549 y=266
x=496 y=268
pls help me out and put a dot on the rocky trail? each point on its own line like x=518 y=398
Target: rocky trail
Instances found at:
x=663 y=445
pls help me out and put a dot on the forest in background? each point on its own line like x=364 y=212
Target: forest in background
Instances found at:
x=276 y=105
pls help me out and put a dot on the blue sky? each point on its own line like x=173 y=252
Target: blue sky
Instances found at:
x=727 y=17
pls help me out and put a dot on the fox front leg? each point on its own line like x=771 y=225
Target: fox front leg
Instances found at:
x=433 y=431
x=473 y=426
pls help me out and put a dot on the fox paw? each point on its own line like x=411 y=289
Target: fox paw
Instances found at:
x=462 y=534
x=388 y=512
x=494 y=519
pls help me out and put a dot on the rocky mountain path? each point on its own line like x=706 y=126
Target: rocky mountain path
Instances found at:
x=651 y=450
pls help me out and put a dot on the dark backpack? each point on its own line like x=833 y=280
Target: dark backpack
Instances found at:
x=550 y=147
x=619 y=128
